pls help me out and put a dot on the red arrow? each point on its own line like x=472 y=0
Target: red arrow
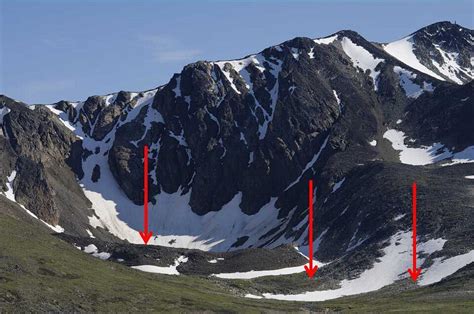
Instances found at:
x=146 y=235
x=415 y=272
x=311 y=270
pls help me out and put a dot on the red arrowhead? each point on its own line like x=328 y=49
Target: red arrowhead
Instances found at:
x=146 y=236
x=311 y=270
x=414 y=273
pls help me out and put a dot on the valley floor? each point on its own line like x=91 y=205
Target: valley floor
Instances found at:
x=40 y=272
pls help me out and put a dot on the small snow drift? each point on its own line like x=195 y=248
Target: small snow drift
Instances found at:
x=94 y=251
x=264 y=273
x=170 y=270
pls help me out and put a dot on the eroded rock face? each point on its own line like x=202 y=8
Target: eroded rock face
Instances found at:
x=42 y=151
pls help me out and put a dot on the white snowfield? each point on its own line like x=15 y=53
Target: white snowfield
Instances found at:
x=169 y=270
x=392 y=266
x=264 y=273
x=426 y=154
x=403 y=50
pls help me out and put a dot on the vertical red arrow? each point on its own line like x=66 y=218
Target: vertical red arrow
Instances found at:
x=146 y=235
x=311 y=270
x=415 y=272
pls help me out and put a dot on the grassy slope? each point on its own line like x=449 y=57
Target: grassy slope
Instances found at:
x=39 y=272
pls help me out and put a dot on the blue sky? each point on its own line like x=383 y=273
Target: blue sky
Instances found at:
x=53 y=50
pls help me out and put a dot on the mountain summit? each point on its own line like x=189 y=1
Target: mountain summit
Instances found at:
x=442 y=50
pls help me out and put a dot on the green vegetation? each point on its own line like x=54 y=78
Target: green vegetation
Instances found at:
x=39 y=272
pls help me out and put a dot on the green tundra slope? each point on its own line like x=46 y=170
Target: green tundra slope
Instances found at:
x=39 y=272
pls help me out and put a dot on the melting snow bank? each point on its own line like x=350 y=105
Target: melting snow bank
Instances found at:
x=444 y=267
x=9 y=194
x=426 y=154
x=263 y=273
x=391 y=267
x=274 y=272
x=92 y=249
x=168 y=270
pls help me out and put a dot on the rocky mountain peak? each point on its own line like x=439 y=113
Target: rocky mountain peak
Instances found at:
x=443 y=50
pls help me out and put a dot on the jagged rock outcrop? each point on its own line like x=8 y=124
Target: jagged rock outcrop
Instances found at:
x=39 y=148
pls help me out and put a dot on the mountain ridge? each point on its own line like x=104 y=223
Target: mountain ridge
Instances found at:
x=233 y=143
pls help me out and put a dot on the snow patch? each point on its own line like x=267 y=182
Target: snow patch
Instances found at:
x=264 y=273
x=338 y=100
x=412 y=90
x=416 y=156
x=90 y=234
x=325 y=40
x=3 y=112
x=463 y=157
x=94 y=251
x=361 y=58
x=443 y=267
x=398 y=217
x=169 y=270
x=344 y=211
x=338 y=185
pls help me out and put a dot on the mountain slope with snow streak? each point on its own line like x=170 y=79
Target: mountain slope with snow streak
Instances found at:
x=442 y=50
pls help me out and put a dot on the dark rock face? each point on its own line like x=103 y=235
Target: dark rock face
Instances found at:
x=40 y=148
x=255 y=136
x=445 y=116
x=109 y=116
